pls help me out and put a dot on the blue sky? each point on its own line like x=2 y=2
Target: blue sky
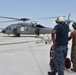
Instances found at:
x=37 y=9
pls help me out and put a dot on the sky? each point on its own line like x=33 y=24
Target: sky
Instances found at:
x=34 y=9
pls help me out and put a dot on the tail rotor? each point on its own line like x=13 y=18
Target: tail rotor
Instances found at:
x=68 y=21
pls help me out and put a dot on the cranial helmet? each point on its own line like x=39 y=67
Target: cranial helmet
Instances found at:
x=74 y=24
x=60 y=19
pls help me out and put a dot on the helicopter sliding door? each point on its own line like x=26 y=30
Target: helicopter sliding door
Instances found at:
x=24 y=30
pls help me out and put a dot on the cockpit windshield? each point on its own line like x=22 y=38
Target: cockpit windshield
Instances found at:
x=8 y=28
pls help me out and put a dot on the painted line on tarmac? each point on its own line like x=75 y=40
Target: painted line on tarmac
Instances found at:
x=9 y=43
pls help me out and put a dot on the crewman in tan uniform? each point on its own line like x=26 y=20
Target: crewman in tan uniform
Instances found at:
x=73 y=48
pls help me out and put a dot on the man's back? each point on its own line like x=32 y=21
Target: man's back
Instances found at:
x=62 y=34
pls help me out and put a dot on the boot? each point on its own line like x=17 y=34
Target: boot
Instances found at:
x=51 y=73
x=73 y=69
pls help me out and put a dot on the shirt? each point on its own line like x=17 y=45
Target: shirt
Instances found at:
x=61 y=34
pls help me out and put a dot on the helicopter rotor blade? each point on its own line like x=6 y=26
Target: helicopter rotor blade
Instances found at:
x=69 y=17
x=50 y=17
x=68 y=21
x=21 y=19
x=8 y=17
x=9 y=21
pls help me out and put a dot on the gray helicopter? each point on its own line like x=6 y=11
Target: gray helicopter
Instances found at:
x=24 y=27
x=27 y=28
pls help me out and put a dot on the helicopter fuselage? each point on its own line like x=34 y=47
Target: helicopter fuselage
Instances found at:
x=26 y=28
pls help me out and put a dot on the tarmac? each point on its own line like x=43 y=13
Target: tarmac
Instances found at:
x=26 y=55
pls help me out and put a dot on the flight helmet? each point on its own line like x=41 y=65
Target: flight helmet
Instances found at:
x=60 y=19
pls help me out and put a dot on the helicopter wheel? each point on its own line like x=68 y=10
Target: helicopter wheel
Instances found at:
x=67 y=63
x=18 y=34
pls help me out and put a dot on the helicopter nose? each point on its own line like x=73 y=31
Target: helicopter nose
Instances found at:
x=3 y=31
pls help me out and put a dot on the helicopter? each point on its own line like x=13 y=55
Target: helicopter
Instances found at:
x=24 y=27
x=27 y=28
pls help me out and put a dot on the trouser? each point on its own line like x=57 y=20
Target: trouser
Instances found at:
x=73 y=55
x=60 y=53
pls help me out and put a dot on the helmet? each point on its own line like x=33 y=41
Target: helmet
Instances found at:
x=74 y=24
x=60 y=19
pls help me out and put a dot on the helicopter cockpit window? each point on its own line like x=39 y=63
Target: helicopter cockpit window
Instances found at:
x=40 y=26
x=8 y=28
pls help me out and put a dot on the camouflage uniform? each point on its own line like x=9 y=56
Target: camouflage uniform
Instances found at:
x=60 y=53
x=73 y=49
x=73 y=55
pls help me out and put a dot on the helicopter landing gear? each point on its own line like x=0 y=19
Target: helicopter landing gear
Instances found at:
x=18 y=34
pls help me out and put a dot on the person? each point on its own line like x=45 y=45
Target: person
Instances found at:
x=59 y=37
x=14 y=32
x=37 y=31
x=73 y=48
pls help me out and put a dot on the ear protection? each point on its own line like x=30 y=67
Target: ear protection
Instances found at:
x=57 y=20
